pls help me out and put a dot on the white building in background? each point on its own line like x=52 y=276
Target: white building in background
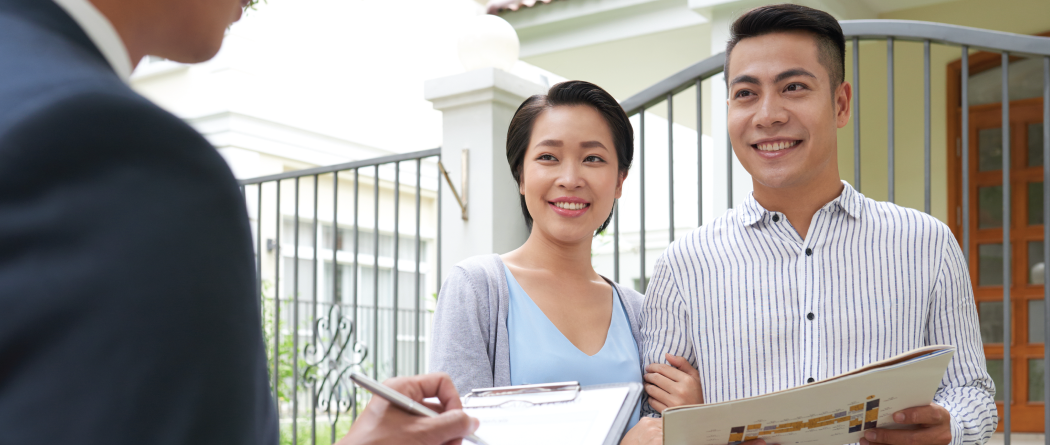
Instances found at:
x=308 y=83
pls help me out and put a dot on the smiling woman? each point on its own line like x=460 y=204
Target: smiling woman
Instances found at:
x=577 y=112
x=541 y=313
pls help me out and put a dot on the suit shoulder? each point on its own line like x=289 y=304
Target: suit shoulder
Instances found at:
x=96 y=126
x=45 y=67
x=99 y=105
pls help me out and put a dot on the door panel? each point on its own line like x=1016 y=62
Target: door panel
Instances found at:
x=1026 y=242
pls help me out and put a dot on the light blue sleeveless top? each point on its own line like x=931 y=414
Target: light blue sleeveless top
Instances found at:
x=540 y=353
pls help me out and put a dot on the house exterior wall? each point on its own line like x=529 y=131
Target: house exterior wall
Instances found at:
x=1015 y=16
x=628 y=65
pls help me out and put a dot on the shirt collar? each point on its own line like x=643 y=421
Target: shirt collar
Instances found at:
x=102 y=34
x=849 y=201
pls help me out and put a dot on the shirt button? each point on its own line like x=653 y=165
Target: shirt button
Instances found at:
x=810 y=380
x=776 y=218
x=811 y=316
x=809 y=252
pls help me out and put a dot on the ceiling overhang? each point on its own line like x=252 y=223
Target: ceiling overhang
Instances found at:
x=564 y=25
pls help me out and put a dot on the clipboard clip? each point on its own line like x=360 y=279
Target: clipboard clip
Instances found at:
x=522 y=395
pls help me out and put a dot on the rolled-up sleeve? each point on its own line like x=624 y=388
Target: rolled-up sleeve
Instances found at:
x=665 y=323
x=966 y=391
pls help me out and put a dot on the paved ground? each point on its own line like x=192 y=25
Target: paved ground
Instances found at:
x=1018 y=439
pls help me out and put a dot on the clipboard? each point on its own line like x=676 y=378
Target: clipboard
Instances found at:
x=619 y=428
x=538 y=394
x=511 y=403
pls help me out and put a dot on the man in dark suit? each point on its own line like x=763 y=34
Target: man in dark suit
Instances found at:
x=128 y=307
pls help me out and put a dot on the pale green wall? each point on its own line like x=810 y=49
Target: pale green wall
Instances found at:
x=1018 y=16
x=909 y=128
x=625 y=67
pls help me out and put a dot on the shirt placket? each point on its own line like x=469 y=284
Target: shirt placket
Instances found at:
x=810 y=285
x=802 y=284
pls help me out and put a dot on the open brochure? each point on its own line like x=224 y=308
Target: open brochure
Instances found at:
x=835 y=411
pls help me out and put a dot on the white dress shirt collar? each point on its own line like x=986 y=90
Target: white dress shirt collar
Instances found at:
x=850 y=201
x=102 y=34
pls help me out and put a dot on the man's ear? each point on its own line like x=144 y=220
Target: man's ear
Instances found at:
x=843 y=102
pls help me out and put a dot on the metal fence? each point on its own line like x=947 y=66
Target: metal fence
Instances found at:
x=331 y=285
x=346 y=280
x=660 y=99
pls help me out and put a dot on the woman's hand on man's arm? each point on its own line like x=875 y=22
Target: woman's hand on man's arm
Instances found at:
x=672 y=385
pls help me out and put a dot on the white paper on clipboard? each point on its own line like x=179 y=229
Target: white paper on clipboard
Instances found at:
x=585 y=420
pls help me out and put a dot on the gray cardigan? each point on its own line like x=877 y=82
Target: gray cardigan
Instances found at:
x=470 y=340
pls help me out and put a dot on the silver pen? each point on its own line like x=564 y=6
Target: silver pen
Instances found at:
x=400 y=400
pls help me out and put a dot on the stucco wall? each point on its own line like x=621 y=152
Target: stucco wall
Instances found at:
x=1017 y=16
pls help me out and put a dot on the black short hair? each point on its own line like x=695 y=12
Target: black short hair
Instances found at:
x=831 y=44
x=573 y=92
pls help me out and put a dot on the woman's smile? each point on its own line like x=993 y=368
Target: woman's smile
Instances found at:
x=569 y=206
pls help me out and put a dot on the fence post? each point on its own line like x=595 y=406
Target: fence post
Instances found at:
x=477 y=107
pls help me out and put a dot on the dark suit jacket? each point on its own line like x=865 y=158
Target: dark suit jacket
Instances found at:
x=128 y=306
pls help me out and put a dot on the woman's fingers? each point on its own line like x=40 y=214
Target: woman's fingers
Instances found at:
x=683 y=365
x=658 y=395
x=668 y=371
x=656 y=392
x=659 y=380
x=657 y=405
x=690 y=389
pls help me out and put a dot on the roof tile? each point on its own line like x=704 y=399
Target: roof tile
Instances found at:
x=498 y=6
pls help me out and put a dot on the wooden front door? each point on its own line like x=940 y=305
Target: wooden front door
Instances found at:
x=986 y=223
x=1026 y=241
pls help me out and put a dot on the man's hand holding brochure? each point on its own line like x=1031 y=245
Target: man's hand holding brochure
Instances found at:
x=874 y=400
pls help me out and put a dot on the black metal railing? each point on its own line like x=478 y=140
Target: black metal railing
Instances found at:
x=648 y=101
x=343 y=293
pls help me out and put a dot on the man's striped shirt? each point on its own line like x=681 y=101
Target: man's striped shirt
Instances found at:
x=756 y=308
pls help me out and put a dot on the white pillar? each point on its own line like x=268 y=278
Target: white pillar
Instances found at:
x=477 y=107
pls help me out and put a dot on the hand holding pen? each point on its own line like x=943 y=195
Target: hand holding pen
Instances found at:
x=382 y=422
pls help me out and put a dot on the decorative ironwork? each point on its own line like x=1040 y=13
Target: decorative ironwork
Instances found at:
x=329 y=360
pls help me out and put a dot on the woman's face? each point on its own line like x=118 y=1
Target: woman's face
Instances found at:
x=570 y=175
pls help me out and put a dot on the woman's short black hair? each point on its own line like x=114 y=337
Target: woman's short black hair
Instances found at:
x=573 y=92
x=831 y=44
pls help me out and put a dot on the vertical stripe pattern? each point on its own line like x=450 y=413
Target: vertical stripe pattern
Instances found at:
x=735 y=296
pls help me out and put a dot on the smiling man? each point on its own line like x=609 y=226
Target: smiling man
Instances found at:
x=808 y=278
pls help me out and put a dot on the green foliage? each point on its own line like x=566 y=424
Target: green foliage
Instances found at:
x=285 y=352
x=251 y=4
x=324 y=430
x=286 y=378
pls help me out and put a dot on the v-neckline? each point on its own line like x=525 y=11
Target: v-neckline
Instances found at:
x=533 y=305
